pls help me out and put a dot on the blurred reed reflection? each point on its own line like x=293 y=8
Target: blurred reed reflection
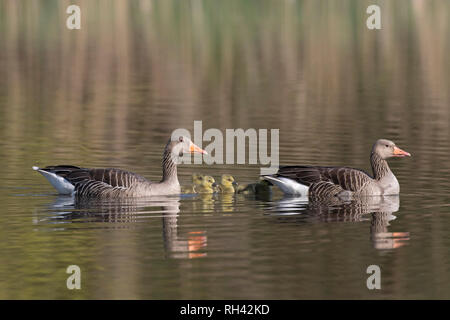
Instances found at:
x=379 y=209
x=162 y=64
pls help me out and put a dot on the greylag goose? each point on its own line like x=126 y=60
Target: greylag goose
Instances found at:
x=323 y=182
x=117 y=183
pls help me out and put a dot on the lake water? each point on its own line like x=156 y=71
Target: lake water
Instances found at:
x=110 y=94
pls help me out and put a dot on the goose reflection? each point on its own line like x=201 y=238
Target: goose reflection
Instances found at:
x=122 y=212
x=378 y=209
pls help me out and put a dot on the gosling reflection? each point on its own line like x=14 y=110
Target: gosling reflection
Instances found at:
x=379 y=209
x=204 y=202
x=125 y=213
x=227 y=203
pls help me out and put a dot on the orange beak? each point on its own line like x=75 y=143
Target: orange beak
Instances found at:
x=400 y=153
x=195 y=149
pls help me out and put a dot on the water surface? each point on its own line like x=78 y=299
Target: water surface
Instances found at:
x=110 y=94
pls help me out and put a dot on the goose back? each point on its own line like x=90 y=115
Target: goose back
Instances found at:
x=101 y=182
x=327 y=179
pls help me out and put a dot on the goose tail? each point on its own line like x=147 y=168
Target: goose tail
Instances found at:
x=62 y=185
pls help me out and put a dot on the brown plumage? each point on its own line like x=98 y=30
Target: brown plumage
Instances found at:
x=317 y=181
x=118 y=183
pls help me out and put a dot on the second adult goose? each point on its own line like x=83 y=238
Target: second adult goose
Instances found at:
x=117 y=183
x=342 y=181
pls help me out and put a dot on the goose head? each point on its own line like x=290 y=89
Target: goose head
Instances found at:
x=182 y=145
x=387 y=149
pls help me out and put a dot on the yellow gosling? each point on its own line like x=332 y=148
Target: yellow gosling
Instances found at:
x=188 y=189
x=227 y=184
x=197 y=180
x=207 y=186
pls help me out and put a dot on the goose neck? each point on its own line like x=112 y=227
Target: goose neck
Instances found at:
x=380 y=166
x=169 y=168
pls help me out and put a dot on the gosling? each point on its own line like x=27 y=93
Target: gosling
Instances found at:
x=207 y=185
x=197 y=180
x=227 y=184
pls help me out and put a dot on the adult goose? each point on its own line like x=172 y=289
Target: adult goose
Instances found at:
x=324 y=182
x=117 y=183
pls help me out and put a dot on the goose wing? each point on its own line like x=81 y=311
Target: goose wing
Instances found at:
x=326 y=177
x=97 y=181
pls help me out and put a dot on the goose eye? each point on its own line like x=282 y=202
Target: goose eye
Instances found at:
x=387 y=146
x=180 y=139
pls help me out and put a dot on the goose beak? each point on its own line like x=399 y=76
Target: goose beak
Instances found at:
x=234 y=183
x=195 y=149
x=400 y=153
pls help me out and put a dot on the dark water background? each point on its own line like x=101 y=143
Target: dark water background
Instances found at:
x=110 y=94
